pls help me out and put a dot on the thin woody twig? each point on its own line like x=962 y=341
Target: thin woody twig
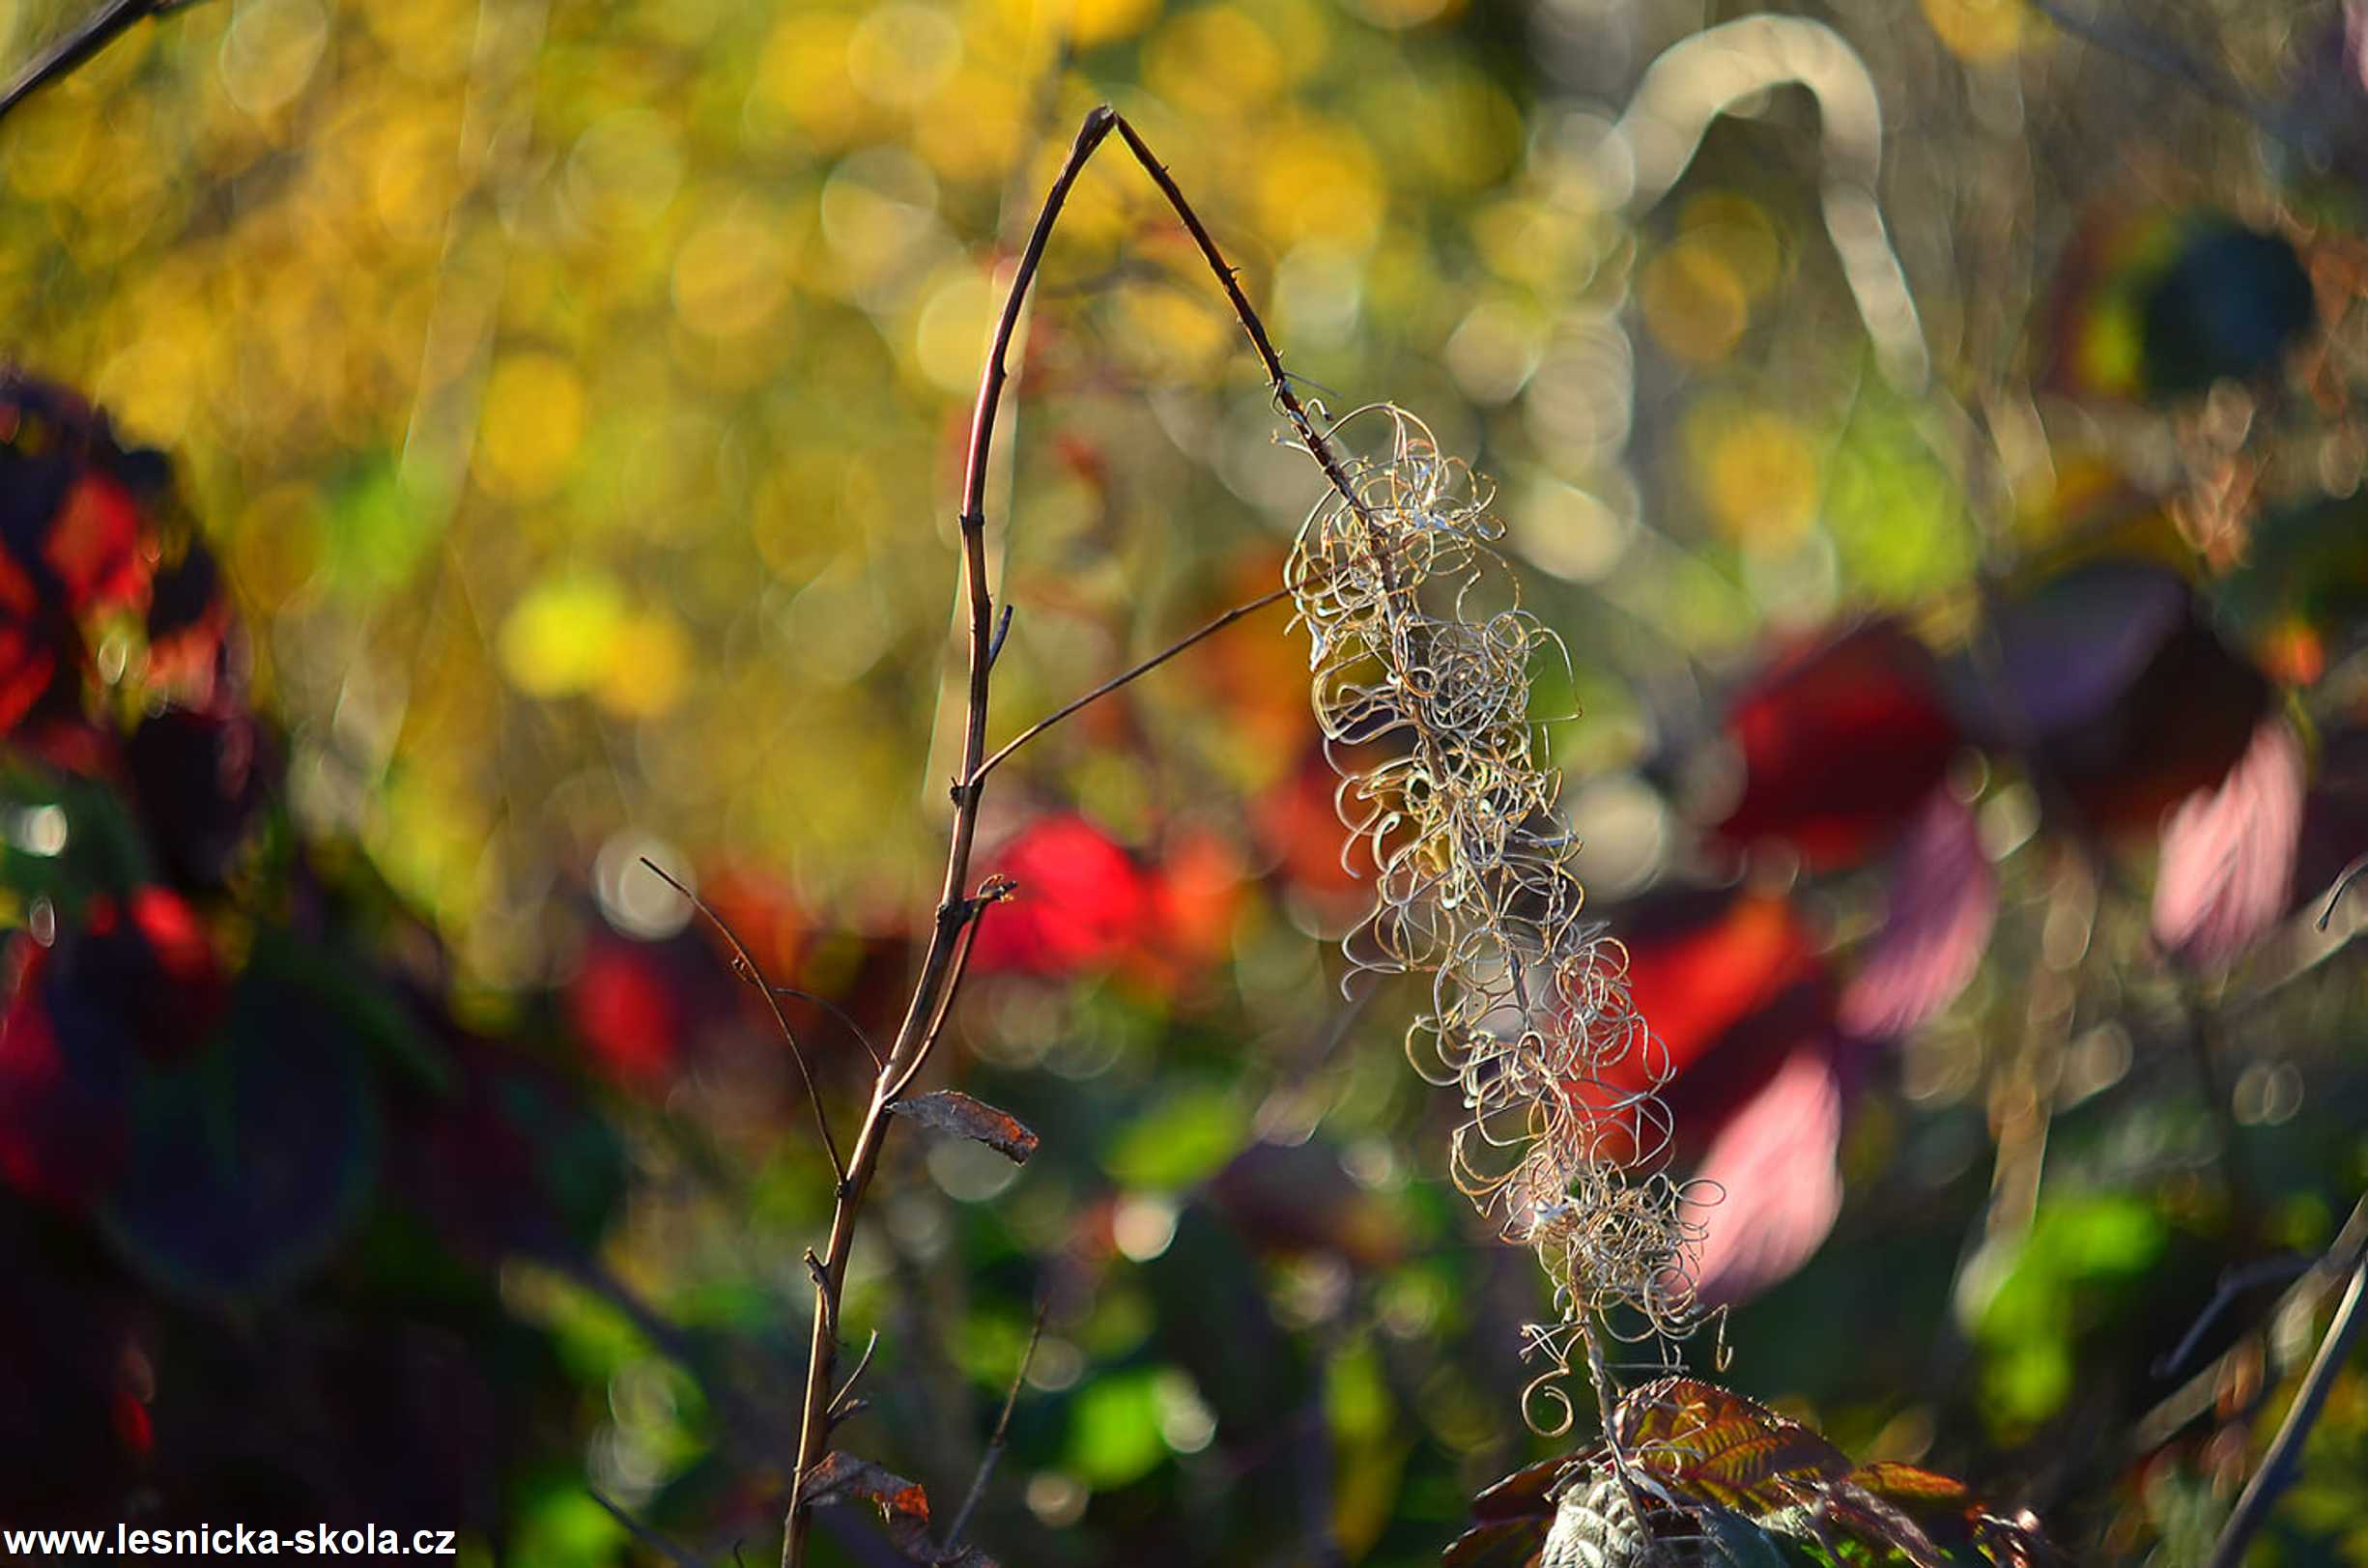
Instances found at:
x=746 y=964
x=1103 y=690
x=933 y=992
x=994 y=1443
x=845 y=1017
x=839 y=1400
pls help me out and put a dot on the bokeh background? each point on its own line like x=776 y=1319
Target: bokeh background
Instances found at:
x=1928 y=426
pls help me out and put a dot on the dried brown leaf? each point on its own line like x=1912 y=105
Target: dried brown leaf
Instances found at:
x=949 y=1110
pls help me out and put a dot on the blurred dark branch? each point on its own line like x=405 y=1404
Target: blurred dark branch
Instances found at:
x=2282 y=1461
x=994 y=1443
x=2199 y=1393
x=78 y=45
x=644 y=1533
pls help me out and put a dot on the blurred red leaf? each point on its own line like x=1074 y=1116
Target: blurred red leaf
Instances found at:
x=1840 y=744
x=1702 y=961
x=2227 y=854
x=1199 y=894
x=625 y=1004
x=1774 y=1162
x=27 y=661
x=96 y=549
x=1730 y=985
x=764 y=913
x=1082 y=902
x=1297 y=823
x=1942 y=902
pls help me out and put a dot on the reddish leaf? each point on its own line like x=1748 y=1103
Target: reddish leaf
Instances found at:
x=1511 y=1519
x=904 y=1505
x=1526 y=1494
x=627 y=1007
x=1947 y=1510
x=1699 y=962
x=1774 y=1163
x=1712 y=1445
x=949 y=1110
x=2227 y=854
x=27 y=667
x=1730 y=984
x=96 y=549
x=1942 y=903
x=1723 y=1469
x=28 y=660
x=1840 y=744
x=189 y=632
x=1082 y=902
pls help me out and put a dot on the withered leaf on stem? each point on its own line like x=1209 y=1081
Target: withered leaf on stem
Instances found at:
x=904 y=1505
x=949 y=1110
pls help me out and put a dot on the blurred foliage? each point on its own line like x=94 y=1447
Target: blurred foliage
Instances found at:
x=573 y=398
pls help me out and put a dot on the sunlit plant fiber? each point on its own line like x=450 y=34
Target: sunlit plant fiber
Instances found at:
x=1422 y=660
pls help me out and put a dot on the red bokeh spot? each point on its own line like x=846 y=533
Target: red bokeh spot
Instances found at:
x=1082 y=904
x=625 y=1010
x=1840 y=744
x=94 y=546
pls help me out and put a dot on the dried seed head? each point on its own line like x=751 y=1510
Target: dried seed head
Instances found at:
x=1422 y=662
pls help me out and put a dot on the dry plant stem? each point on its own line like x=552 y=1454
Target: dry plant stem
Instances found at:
x=2280 y=1464
x=949 y=946
x=933 y=992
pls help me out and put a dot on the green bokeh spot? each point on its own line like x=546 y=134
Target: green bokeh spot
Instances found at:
x=1178 y=1141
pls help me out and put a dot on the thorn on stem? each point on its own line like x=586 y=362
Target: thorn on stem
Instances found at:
x=1003 y=629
